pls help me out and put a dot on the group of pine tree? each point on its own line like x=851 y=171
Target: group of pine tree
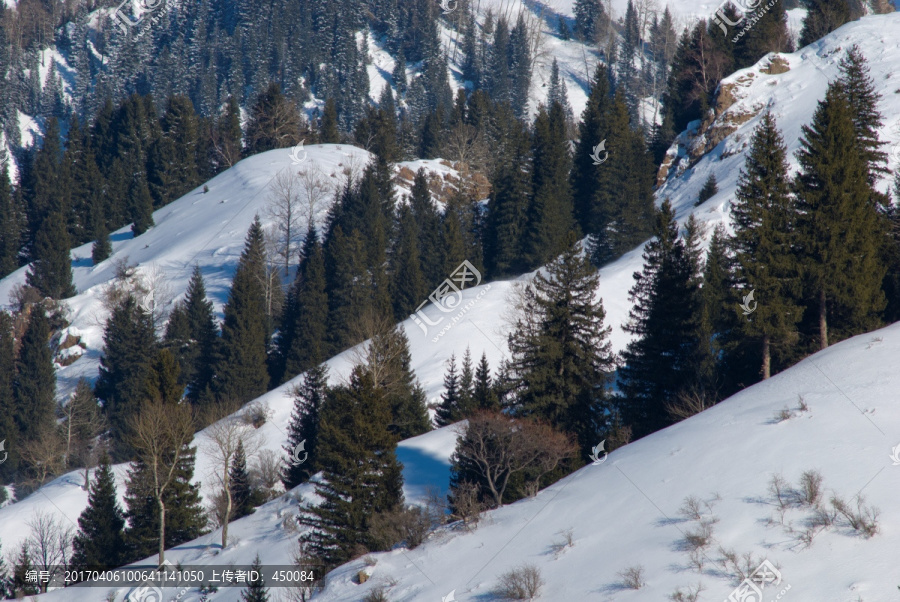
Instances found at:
x=815 y=248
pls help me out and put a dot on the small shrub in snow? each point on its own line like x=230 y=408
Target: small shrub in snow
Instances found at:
x=257 y=414
x=568 y=540
x=521 y=583
x=690 y=508
x=691 y=595
x=810 y=493
x=369 y=560
x=466 y=505
x=738 y=566
x=377 y=594
x=633 y=577
x=801 y=404
x=863 y=519
x=781 y=491
x=783 y=414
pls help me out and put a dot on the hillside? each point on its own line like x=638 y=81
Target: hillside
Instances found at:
x=624 y=512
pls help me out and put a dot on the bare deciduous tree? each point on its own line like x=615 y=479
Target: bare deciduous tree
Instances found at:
x=160 y=435
x=316 y=190
x=83 y=424
x=285 y=209
x=265 y=473
x=465 y=144
x=44 y=455
x=221 y=443
x=49 y=544
x=498 y=447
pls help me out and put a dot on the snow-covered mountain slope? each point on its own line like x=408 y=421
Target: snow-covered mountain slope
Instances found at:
x=736 y=446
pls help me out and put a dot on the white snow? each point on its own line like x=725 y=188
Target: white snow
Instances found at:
x=625 y=511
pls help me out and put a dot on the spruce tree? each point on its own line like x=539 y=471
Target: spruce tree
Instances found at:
x=304 y=337
x=185 y=516
x=328 y=130
x=241 y=373
x=256 y=591
x=129 y=349
x=867 y=120
x=428 y=222
x=550 y=212
x=822 y=17
x=589 y=17
x=467 y=384
x=192 y=334
x=764 y=213
x=11 y=224
x=448 y=411
x=594 y=128
x=8 y=410
x=389 y=361
x=34 y=384
x=243 y=496
x=309 y=397
x=361 y=474
x=561 y=357
x=483 y=394
x=510 y=197
x=839 y=229
x=664 y=359
x=141 y=206
x=51 y=270
x=709 y=190
x=100 y=542
x=408 y=287
x=348 y=287
x=22 y=566
x=102 y=247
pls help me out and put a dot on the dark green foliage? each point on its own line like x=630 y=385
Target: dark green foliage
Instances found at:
x=241 y=373
x=449 y=410
x=823 y=17
x=769 y=33
x=589 y=18
x=864 y=99
x=8 y=410
x=185 y=517
x=102 y=247
x=840 y=231
x=256 y=591
x=328 y=129
x=34 y=384
x=348 y=286
x=428 y=221
x=561 y=357
x=361 y=474
x=173 y=161
x=22 y=566
x=11 y=224
x=709 y=190
x=309 y=397
x=509 y=201
x=129 y=348
x=163 y=382
x=483 y=394
x=408 y=287
x=141 y=206
x=192 y=334
x=764 y=212
x=303 y=340
x=100 y=542
x=549 y=215
x=51 y=271
x=389 y=360
x=244 y=497
x=274 y=121
x=664 y=359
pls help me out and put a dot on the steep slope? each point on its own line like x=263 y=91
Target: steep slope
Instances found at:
x=737 y=444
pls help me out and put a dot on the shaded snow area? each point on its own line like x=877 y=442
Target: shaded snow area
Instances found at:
x=626 y=511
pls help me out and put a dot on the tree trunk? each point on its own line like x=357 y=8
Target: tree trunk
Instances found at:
x=823 y=320
x=227 y=516
x=766 y=357
x=162 y=530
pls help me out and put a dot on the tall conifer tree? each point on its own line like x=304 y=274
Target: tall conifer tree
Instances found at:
x=100 y=541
